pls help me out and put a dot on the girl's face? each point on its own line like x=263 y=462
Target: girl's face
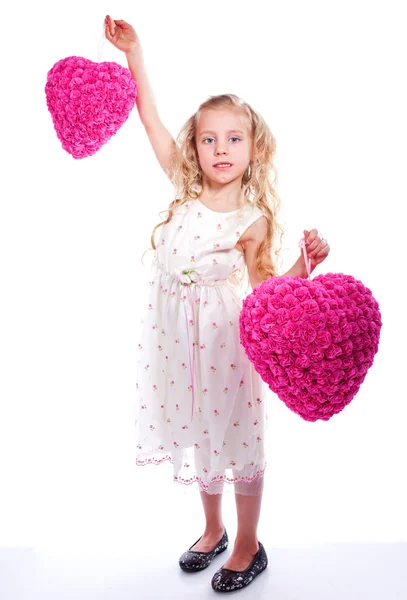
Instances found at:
x=223 y=136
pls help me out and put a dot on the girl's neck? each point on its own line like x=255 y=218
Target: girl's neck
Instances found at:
x=228 y=195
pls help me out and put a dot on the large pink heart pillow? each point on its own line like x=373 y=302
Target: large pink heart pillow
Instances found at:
x=312 y=341
x=88 y=102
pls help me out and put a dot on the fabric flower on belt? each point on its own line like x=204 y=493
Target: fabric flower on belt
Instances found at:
x=189 y=276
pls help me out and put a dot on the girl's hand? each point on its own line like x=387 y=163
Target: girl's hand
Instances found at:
x=316 y=246
x=121 y=34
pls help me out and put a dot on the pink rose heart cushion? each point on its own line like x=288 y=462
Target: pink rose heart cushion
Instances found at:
x=312 y=341
x=88 y=102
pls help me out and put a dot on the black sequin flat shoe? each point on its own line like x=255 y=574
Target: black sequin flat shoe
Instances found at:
x=227 y=580
x=193 y=560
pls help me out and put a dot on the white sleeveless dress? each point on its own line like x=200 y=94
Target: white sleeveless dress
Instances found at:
x=200 y=403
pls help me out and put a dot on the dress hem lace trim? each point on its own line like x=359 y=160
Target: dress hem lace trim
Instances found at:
x=204 y=486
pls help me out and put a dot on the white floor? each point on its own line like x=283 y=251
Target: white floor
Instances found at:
x=329 y=572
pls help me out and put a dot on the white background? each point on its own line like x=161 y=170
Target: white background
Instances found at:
x=328 y=78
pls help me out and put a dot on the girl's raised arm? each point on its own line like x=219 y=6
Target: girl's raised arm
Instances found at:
x=123 y=36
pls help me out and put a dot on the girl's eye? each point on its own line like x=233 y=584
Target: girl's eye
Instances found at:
x=232 y=138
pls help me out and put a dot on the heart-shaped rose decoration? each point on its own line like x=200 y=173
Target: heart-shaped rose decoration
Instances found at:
x=88 y=102
x=312 y=341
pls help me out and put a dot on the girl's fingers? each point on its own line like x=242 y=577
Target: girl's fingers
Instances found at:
x=313 y=244
x=314 y=240
x=316 y=251
x=323 y=250
x=109 y=24
x=311 y=237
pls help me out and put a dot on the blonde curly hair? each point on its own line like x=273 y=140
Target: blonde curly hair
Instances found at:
x=259 y=182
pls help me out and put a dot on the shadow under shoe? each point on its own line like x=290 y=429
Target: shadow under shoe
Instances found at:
x=227 y=580
x=193 y=561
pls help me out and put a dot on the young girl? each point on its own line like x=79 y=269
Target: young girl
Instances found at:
x=201 y=404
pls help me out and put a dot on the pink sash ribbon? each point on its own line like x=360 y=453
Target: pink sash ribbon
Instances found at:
x=191 y=360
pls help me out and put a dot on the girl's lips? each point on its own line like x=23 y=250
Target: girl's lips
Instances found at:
x=222 y=168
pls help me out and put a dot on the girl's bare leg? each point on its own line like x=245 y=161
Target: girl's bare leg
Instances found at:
x=212 y=505
x=248 y=512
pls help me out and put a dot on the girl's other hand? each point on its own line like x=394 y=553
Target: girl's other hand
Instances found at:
x=121 y=34
x=317 y=247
